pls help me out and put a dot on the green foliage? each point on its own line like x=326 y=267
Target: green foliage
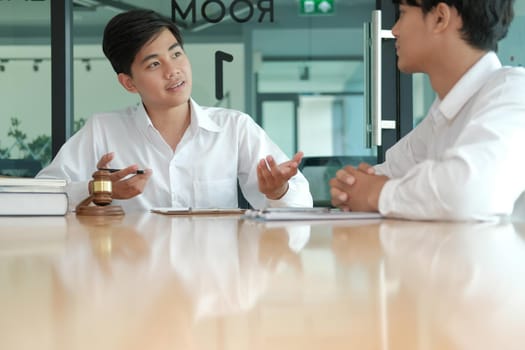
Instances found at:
x=77 y=124
x=38 y=149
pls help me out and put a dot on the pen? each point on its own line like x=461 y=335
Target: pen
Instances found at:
x=111 y=170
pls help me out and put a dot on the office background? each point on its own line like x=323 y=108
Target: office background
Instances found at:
x=300 y=75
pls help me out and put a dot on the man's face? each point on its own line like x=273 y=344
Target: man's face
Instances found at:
x=160 y=73
x=413 y=33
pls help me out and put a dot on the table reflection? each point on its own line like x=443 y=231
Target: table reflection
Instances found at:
x=160 y=282
x=141 y=282
x=461 y=285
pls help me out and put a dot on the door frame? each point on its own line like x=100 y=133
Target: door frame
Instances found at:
x=396 y=106
x=279 y=97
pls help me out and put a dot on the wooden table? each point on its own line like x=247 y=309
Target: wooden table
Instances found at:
x=148 y=281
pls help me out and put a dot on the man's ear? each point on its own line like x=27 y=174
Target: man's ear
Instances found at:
x=442 y=16
x=127 y=82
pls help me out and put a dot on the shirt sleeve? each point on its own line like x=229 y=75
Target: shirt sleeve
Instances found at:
x=298 y=194
x=255 y=144
x=75 y=162
x=406 y=153
x=478 y=177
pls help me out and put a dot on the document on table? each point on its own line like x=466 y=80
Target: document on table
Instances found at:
x=289 y=214
x=197 y=211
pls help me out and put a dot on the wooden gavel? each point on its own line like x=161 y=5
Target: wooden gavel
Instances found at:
x=101 y=188
x=100 y=195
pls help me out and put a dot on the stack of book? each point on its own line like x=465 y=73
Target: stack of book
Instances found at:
x=32 y=197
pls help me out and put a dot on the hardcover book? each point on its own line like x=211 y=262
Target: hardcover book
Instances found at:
x=32 y=197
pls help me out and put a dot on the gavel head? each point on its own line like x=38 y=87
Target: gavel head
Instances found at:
x=101 y=188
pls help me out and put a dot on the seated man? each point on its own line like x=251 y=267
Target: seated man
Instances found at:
x=464 y=160
x=194 y=155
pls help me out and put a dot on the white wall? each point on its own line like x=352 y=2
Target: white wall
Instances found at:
x=315 y=128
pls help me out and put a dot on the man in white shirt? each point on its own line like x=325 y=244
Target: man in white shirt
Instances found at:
x=464 y=160
x=194 y=155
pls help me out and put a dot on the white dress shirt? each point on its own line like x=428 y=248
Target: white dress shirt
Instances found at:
x=219 y=147
x=464 y=161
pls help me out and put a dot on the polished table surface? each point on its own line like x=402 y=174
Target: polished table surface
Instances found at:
x=148 y=281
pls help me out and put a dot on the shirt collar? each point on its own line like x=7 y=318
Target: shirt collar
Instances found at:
x=199 y=118
x=142 y=118
x=469 y=84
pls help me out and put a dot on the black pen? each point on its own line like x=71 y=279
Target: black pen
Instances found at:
x=111 y=170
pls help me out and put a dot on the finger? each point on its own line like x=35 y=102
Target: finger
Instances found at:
x=139 y=179
x=334 y=182
x=263 y=167
x=263 y=173
x=147 y=173
x=272 y=165
x=338 y=197
x=366 y=168
x=264 y=178
x=279 y=172
x=338 y=185
x=132 y=186
x=289 y=168
x=105 y=159
x=122 y=173
x=298 y=157
x=345 y=177
x=363 y=166
x=126 y=189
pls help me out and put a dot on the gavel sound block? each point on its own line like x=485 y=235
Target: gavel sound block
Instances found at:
x=98 y=203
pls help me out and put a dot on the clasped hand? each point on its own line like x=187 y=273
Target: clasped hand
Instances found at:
x=357 y=189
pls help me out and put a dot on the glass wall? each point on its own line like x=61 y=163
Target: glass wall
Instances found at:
x=25 y=87
x=268 y=51
x=295 y=68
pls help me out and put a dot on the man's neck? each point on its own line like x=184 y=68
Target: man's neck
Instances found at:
x=171 y=122
x=452 y=67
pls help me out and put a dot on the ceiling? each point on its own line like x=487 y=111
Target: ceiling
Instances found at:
x=327 y=42
x=30 y=19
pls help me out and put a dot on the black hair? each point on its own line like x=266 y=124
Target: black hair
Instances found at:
x=485 y=22
x=126 y=33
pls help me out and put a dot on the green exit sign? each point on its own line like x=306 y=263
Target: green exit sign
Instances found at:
x=316 y=7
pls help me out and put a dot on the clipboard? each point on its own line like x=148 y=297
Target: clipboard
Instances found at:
x=316 y=213
x=198 y=211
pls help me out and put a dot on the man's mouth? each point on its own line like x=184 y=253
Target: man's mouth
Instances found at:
x=175 y=85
